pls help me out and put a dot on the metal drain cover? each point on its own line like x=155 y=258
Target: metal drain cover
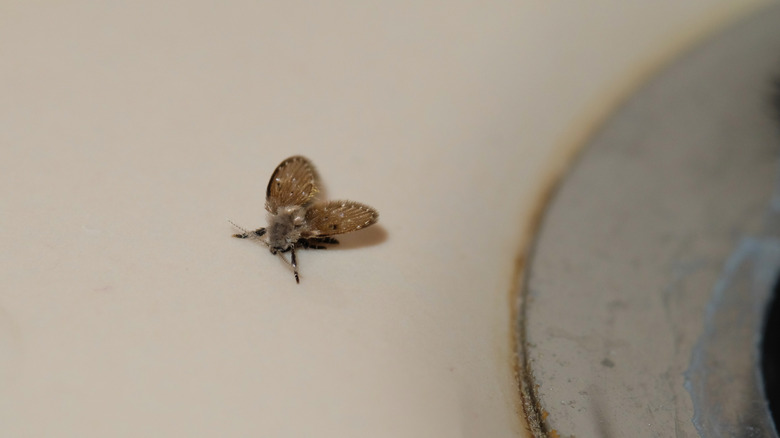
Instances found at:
x=646 y=289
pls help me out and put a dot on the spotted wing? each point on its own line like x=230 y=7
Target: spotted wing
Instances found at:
x=338 y=217
x=294 y=182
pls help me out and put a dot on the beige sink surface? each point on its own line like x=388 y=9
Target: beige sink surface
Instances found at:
x=130 y=132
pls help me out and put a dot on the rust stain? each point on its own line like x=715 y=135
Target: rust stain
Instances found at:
x=535 y=416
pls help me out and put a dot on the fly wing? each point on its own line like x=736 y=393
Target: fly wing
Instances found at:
x=338 y=217
x=294 y=182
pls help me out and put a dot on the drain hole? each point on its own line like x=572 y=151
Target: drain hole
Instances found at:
x=770 y=355
x=770 y=344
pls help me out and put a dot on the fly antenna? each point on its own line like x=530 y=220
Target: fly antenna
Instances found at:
x=240 y=228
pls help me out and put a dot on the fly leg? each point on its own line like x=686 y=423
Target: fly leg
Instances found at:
x=312 y=242
x=246 y=234
x=308 y=244
x=328 y=240
x=294 y=265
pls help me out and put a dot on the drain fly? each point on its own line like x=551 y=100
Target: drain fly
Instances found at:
x=297 y=220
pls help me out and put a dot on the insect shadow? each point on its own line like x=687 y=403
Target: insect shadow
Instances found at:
x=296 y=220
x=370 y=237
